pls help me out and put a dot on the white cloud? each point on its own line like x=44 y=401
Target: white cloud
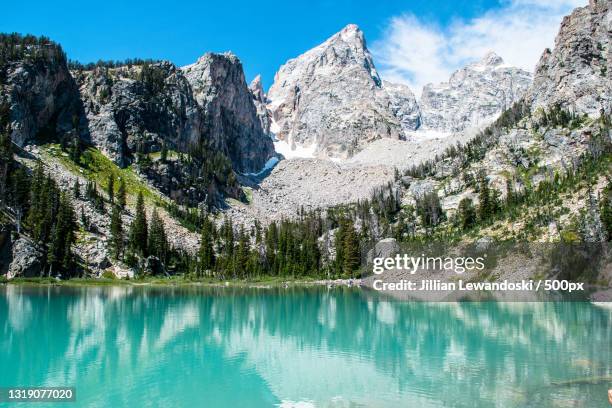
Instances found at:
x=415 y=52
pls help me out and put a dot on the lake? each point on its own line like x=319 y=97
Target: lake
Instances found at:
x=300 y=347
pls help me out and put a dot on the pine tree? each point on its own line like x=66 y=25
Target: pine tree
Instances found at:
x=242 y=252
x=158 y=242
x=59 y=253
x=605 y=209
x=117 y=235
x=352 y=255
x=110 y=188
x=271 y=243
x=164 y=153
x=228 y=238
x=484 y=199
x=510 y=195
x=429 y=209
x=122 y=194
x=339 y=239
x=6 y=158
x=76 y=189
x=467 y=213
x=138 y=230
x=36 y=207
x=206 y=252
x=19 y=194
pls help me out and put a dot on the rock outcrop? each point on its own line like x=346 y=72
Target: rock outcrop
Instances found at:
x=138 y=108
x=404 y=105
x=385 y=248
x=260 y=100
x=230 y=116
x=576 y=74
x=473 y=96
x=26 y=260
x=43 y=98
x=332 y=97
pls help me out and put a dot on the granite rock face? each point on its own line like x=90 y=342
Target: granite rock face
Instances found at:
x=404 y=105
x=230 y=116
x=576 y=74
x=43 y=97
x=26 y=260
x=473 y=96
x=260 y=100
x=138 y=108
x=332 y=97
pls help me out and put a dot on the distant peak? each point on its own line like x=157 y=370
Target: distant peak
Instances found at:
x=256 y=82
x=351 y=28
x=255 y=86
x=212 y=56
x=351 y=34
x=491 y=59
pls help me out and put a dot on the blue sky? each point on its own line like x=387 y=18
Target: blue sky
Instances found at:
x=263 y=34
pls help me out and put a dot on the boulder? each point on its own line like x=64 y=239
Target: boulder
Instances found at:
x=26 y=260
x=385 y=248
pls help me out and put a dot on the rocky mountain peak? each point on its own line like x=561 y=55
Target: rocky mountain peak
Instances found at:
x=577 y=74
x=257 y=90
x=331 y=98
x=230 y=114
x=260 y=100
x=473 y=96
x=491 y=59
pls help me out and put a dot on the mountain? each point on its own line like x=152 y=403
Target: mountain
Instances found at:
x=37 y=86
x=403 y=105
x=576 y=74
x=137 y=108
x=473 y=96
x=545 y=162
x=260 y=100
x=230 y=115
x=332 y=97
x=539 y=172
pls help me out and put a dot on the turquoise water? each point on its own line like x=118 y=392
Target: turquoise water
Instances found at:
x=139 y=347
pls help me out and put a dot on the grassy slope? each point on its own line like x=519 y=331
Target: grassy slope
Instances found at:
x=96 y=167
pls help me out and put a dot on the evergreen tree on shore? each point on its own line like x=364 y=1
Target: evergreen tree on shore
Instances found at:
x=158 y=242
x=117 y=235
x=351 y=252
x=138 y=236
x=484 y=199
x=59 y=252
x=206 y=253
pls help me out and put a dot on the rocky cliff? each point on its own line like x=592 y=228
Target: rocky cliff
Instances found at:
x=577 y=73
x=137 y=108
x=543 y=143
x=473 y=96
x=131 y=108
x=230 y=115
x=403 y=105
x=260 y=100
x=36 y=84
x=332 y=97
